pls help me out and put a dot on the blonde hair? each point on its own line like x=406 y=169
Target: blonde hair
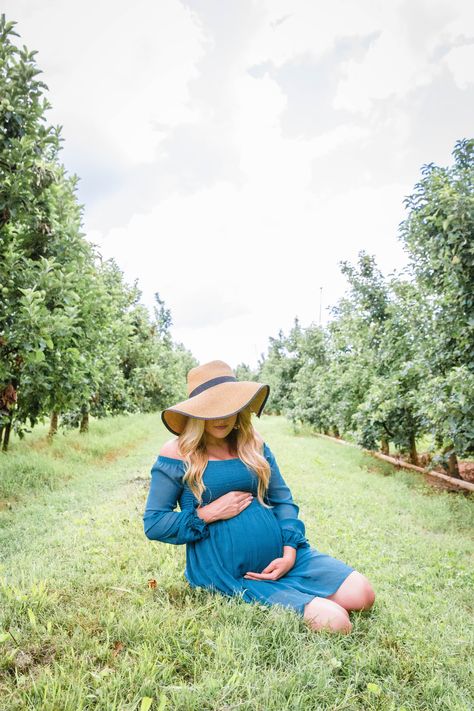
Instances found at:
x=244 y=442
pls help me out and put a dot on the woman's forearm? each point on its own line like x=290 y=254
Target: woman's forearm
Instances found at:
x=289 y=552
x=174 y=526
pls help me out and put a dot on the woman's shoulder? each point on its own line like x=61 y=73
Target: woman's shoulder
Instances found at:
x=168 y=467
x=169 y=463
x=170 y=450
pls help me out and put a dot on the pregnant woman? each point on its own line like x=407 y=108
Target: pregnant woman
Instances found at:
x=237 y=516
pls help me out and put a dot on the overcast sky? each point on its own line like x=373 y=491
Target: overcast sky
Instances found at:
x=230 y=153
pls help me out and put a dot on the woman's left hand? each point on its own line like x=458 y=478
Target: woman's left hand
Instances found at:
x=276 y=569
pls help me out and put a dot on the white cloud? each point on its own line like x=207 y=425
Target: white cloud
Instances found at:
x=118 y=74
x=398 y=61
x=277 y=168
x=388 y=69
x=297 y=27
x=460 y=61
x=401 y=55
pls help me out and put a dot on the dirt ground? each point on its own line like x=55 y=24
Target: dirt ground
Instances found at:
x=466 y=470
x=466 y=466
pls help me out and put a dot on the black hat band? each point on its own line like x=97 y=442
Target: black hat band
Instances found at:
x=212 y=382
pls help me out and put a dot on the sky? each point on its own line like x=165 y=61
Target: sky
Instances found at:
x=231 y=154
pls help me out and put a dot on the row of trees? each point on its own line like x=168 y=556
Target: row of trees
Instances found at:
x=396 y=361
x=74 y=338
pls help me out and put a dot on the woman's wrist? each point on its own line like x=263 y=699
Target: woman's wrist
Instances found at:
x=203 y=512
x=289 y=552
x=199 y=511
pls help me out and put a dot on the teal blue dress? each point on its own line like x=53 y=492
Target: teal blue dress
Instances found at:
x=219 y=554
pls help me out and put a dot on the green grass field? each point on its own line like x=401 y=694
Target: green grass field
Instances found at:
x=80 y=628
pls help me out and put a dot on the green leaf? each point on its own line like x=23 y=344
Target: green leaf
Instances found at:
x=374 y=689
x=448 y=221
x=146 y=703
x=31 y=617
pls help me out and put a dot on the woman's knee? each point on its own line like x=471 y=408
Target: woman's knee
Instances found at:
x=321 y=613
x=369 y=595
x=365 y=594
x=355 y=593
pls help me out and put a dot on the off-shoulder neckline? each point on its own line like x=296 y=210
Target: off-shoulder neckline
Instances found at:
x=210 y=461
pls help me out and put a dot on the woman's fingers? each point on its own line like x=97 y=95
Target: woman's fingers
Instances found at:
x=271 y=572
x=261 y=576
x=269 y=568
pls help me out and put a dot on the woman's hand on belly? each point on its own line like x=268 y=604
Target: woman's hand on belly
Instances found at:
x=226 y=506
x=277 y=568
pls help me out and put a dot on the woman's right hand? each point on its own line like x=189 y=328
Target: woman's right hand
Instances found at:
x=226 y=506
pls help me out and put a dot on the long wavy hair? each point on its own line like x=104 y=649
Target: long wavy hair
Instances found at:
x=244 y=442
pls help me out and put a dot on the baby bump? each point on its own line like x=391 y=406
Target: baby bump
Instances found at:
x=248 y=541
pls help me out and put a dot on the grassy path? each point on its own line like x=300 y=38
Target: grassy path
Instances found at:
x=90 y=634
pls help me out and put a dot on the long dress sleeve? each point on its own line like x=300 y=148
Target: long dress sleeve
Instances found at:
x=160 y=521
x=286 y=511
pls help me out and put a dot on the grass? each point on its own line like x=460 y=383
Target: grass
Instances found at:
x=89 y=632
x=35 y=463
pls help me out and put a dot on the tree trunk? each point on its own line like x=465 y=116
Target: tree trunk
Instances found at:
x=53 y=425
x=335 y=429
x=452 y=464
x=385 y=446
x=6 y=436
x=84 y=423
x=413 y=452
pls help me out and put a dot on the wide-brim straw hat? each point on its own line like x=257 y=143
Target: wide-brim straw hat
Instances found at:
x=215 y=393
